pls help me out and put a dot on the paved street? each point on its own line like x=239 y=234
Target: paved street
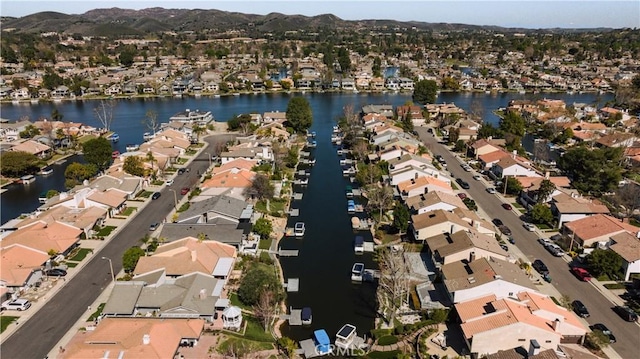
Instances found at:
x=627 y=334
x=35 y=337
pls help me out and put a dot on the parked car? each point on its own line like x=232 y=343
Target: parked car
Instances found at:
x=184 y=190
x=580 y=308
x=601 y=327
x=529 y=227
x=555 y=249
x=55 y=272
x=507 y=206
x=181 y=171
x=477 y=177
x=156 y=195
x=512 y=240
x=497 y=222
x=626 y=313
x=540 y=267
x=467 y=168
x=581 y=273
x=544 y=241
x=492 y=190
x=504 y=247
x=154 y=226
x=169 y=182
x=462 y=195
x=16 y=304
x=505 y=230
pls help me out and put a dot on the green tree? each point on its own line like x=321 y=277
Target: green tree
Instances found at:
x=52 y=193
x=488 y=130
x=401 y=217
x=299 y=115
x=130 y=258
x=257 y=278
x=541 y=213
x=263 y=227
x=98 y=151
x=18 y=163
x=77 y=172
x=30 y=131
x=604 y=261
x=546 y=189
x=513 y=186
x=512 y=123
x=593 y=171
x=133 y=166
x=291 y=159
x=377 y=67
x=425 y=91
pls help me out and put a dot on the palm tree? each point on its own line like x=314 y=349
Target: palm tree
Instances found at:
x=197 y=129
x=151 y=159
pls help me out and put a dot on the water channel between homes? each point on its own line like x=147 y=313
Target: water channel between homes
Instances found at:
x=326 y=250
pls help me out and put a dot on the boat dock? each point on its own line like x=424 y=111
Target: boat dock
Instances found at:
x=308 y=349
x=294 y=317
x=305 y=154
x=360 y=224
x=370 y=275
x=297 y=196
x=285 y=252
x=294 y=212
x=292 y=285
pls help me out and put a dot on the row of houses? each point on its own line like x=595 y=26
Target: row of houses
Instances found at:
x=489 y=291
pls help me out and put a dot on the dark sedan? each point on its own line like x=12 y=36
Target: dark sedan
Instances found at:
x=56 y=272
x=626 y=313
x=603 y=328
x=580 y=308
x=505 y=230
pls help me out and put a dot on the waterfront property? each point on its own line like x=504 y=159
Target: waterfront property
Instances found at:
x=198 y=117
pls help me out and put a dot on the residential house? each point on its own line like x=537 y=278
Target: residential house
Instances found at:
x=484 y=146
x=420 y=185
x=21 y=266
x=50 y=238
x=487 y=160
x=474 y=278
x=429 y=224
x=385 y=110
x=446 y=248
x=435 y=200
x=617 y=139
x=490 y=324
x=256 y=153
x=409 y=160
x=570 y=207
x=84 y=219
x=10 y=131
x=189 y=255
x=596 y=230
x=35 y=148
x=151 y=338
x=627 y=246
x=413 y=112
x=512 y=167
x=412 y=172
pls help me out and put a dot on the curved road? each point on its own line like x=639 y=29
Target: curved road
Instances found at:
x=39 y=334
x=627 y=334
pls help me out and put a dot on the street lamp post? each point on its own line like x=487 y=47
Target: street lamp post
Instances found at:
x=175 y=199
x=113 y=275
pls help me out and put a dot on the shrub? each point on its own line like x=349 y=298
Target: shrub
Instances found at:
x=388 y=340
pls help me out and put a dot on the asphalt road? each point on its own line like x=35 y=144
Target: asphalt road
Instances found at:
x=38 y=335
x=627 y=334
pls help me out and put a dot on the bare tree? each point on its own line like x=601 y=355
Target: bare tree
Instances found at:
x=477 y=110
x=380 y=198
x=627 y=198
x=104 y=113
x=394 y=282
x=360 y=149
x=265 y=309
x=151 y=121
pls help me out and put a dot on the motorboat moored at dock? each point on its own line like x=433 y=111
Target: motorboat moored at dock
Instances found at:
x=299 y=229
x=357 y=272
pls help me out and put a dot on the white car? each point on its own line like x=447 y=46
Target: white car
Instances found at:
x=16 y=304
x=477 y=177
x=492 y=190
x=555 y=250
x=169 y=182
x=529 y=227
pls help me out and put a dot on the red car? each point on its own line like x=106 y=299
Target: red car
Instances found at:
x=581 y=273
x=506 y=206
x=184 y=190
x=462 y=195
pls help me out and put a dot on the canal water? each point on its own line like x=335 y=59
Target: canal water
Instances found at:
x=326 y=251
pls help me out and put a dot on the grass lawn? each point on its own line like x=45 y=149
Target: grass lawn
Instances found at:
x=274 y=206
x=82 y=252
x=71 y=264
x=181 y=160
x=5 y=320
x=97 y=313
x=4 y=181
x=85 y=138
x=264 y=256
x=190 y=152
x=255 y=331
x=233 y=298
x=145 y=194
x=383 y=355
x=241 y=346
x=264 y=244
x=614 y=286
x=105 y=231
x=633 y=222
x=128 y=211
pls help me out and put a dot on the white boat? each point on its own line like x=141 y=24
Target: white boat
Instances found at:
x=358 y=245
x=357 y=272
x=147 y=136
x=336 y=129
x=298 y=229
x=312 y=144
x=303 y=181
x=345 y=336
x=46 y=171
x=27 y=179
x=131 y=147
x=114 y=137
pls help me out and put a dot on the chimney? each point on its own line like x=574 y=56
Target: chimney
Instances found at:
x=513 y=154
x=146 y=339
x=555 y=324
x=203 y=294
x=194 y=255
x=472 y=257
x=534 y=347
x=546 y=175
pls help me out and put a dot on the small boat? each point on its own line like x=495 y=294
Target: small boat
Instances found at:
x=27 y=179
x=46 y=171
x=349 y=192
x=303 y=181
x=313 y=134
x=299 y=229
x=322 y=341
x=115 y=154
x=351 y=207
x=357 y=272
x=358 y=245
x=345 y=336
x=43 y=197
x=147 y=136
x=114 y=137
x=131 y=147
x=312 y=144
x=306 y=316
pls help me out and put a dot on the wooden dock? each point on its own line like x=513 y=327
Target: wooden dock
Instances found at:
x=294 y=212
x=305 y=154
x=292 y=285
x=297 y=196
x=308 y=349
x=370 y=275
x=369 y=247
x=294 y=318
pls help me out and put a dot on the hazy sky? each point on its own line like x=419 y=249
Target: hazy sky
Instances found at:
x=513 y=13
